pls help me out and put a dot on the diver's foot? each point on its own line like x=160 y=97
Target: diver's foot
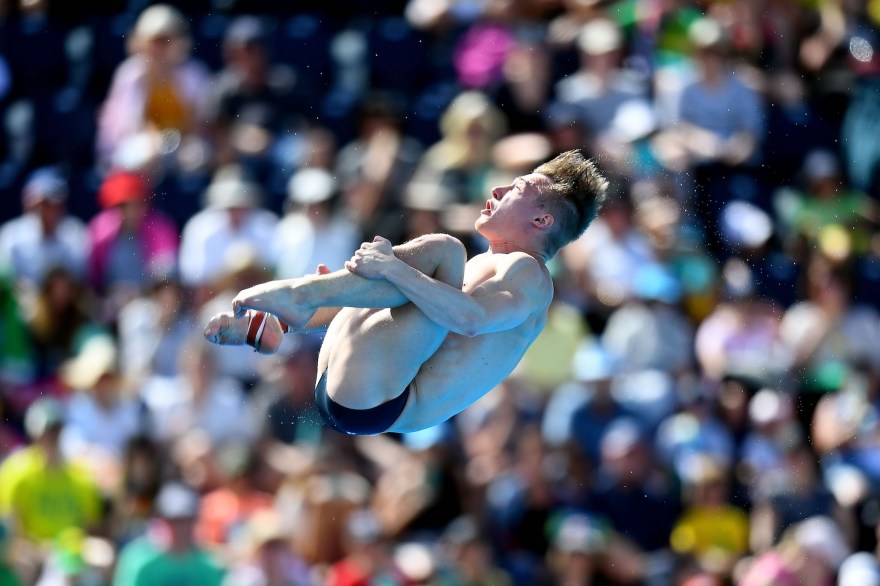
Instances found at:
x=285 y=299
x=256 y=329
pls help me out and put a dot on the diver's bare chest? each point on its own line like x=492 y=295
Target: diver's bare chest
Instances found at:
x=477 y=271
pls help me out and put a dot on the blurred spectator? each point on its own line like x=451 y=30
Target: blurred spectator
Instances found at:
x=439 y=16
x=720 y=116
x=59 y=322
x=796 y=126
x=488 y=432
x=651 y=332
x=17 y=359
x=627 y=146
x=43 y=237
x=741 y=335
x=654 y=395
x=563 y=30
x=544 y=364
x=374 y=169
x=675 y=240
x=718 y=127
x=606 y=260
x=101 y=417
x=584 y=550
x=825 y=330
x=141 y=476
x=710 y=529
x=225 y=510
x=157 y=96
x=8 y=572
x=419 y=489
x=232 y=215
x=526 y=85
x=793 y=494
x=314 y=231
x=731 y=405
x=595 y=369
x=468 y=556
x=861 y=154
x=253 y=100
x=268 y=557
x=130 y=240
x=844 y=433
x=284 y=401
x=77 y=558
x=600 y=86
x=152 y=329
x=848 y=418
x=860 y=568
x=40 y=491
x=693 y=432
x=773 y=431
x=826 y=201
x=628 y=489
x=424 y=215
x=368 y=556
x=565 y=127
x=199 y=398
x=810 y=554
x=169 y=553
x=520 y=502
x=460 y=160
x=818 y=49
x=747 y=233
x=481 y=50
x=323 y=487
x=662 y=217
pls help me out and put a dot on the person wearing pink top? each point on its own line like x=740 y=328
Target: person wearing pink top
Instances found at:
x=157 y=95
x=129 y=240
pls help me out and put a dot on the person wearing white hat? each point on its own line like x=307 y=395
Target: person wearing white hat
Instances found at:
x=232 y=215
x=101 y=418
x=44 y=236
x=313 y=232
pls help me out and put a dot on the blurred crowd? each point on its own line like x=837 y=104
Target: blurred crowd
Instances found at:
x=702 y=409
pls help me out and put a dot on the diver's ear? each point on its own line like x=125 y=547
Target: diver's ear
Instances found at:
x=543 y=221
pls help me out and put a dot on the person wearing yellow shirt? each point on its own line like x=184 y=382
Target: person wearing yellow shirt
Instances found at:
x=711 y=530
x=40 y=493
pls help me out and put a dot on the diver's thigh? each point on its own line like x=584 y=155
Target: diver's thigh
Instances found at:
x=377 y=353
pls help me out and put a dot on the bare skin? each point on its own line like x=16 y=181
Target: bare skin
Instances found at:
x=418 y=314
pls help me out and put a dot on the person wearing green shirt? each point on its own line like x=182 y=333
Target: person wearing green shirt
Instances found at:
x=826 y=202
x=16 y=351
x=169 y=554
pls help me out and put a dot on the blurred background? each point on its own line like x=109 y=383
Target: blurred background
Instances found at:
x=702 y=409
